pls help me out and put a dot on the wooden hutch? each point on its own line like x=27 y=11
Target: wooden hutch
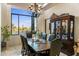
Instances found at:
x=63 y=28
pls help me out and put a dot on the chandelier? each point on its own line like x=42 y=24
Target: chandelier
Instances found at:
x=36 y=8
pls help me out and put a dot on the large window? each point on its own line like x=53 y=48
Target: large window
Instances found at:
x=21 y=20
x=14 y=24
x=24 y=23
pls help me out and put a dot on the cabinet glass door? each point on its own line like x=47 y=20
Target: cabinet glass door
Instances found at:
x=52 y=28
x=64 y=29
x=58 y=25
x=71 y=30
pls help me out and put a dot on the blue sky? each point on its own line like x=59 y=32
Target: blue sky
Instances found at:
x=24 y=20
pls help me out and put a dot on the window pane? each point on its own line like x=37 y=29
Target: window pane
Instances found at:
x=24 y=23
x=52 y=28
x=14 y=24
x=22 y=12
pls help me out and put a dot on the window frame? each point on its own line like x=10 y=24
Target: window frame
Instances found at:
x=19 y=22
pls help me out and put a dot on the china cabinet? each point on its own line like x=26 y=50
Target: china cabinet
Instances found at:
x=63 y=28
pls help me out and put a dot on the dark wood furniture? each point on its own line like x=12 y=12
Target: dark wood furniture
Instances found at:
x=44 y=47
x=62 y=27
x=40 y=46
x=52 y=48
x=44 y=35
x=26 y=49
x=3 y=46
x=55 y=47
x=76 y=48
x=29 y=34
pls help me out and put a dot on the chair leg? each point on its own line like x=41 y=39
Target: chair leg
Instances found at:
x=23 y=53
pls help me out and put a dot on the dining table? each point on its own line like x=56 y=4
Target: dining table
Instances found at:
x=38 y=45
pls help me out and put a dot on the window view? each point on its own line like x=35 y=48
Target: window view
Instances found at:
x=21 y=20
x=14 y=24
x=24 y=23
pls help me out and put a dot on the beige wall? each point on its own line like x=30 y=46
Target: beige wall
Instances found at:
x=6 y=20
x=5 y=15
x=77 y=28
x=41 y=23
x=61 y=8
x=47 y=26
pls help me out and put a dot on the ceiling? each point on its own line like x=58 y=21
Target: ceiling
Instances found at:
x=45 y=6
x=23 y=5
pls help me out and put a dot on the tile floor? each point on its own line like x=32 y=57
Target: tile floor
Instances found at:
x=12 y=51
x=16 y=51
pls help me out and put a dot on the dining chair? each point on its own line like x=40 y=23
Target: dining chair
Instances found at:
x=51 y=37
x=44 y=35
x=29 y=34
x=25 y=48
x=55 y=47
x=76 y=48
x=77 y=54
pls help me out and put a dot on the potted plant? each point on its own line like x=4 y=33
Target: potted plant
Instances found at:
x=5 y=35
